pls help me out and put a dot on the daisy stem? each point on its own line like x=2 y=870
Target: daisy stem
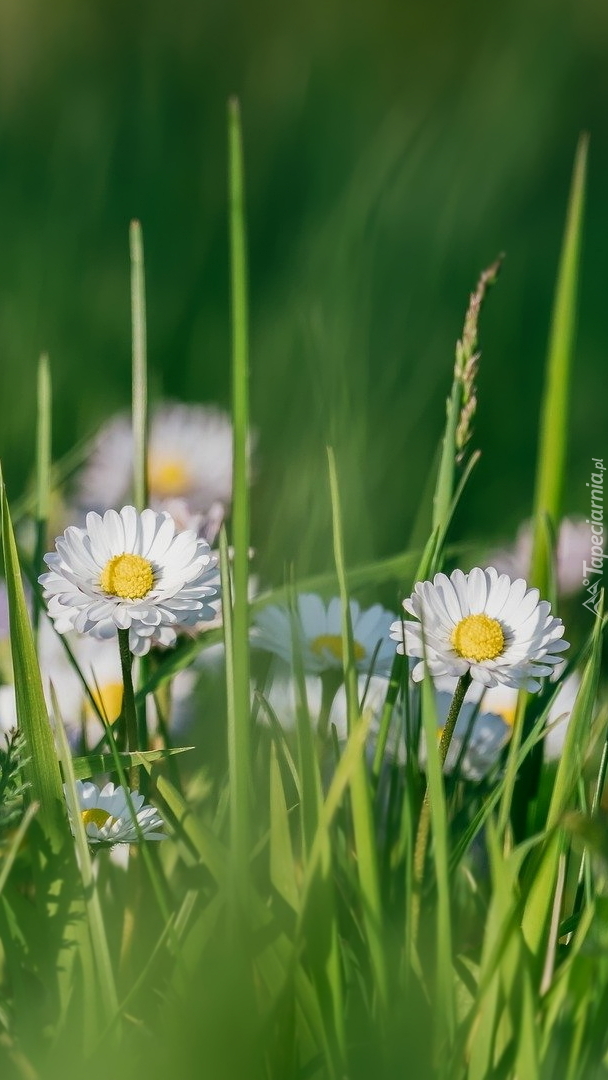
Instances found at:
x=128 y=703
x=424 y=821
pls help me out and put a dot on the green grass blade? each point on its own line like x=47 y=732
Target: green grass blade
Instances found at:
x=241 y=733
x=139 y=392
x=99 y=942
x=42 y=768
x=363 y=823
x=444 y=985
x=97 y=764
x=282 y=864
x=10 y=853
x=43 y=472
x=554 y=411
x=542 y=875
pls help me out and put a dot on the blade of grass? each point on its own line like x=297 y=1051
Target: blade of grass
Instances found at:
x=10 y=853
x=96 y=764
x=139 y=413
x=240 y=737
x=99 y=942
x=540 y=880
x=554 y=410
x=363 y=823
x=42 y=767
x=43 y=474
x=139 y=391
x=444 y=1011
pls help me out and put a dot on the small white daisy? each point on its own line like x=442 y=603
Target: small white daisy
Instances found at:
x=572 y=550
x=107 y=817
x=483 y=623
x=189 y=465
x=319 y=633
x=129 y=571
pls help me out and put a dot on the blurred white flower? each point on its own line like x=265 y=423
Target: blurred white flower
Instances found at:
x=281 y=696
x=496 y=629
x=319 y=634
x=189 y=466
x=572 y=550
x=129 y=571
x=99 y=665
x=559 y=716
x=108 y=819
x=483 y=741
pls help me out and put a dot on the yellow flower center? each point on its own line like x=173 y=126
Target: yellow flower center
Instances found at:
x=333 y=644
x=168 y=477
x=95 y=816
x=108 y=699
x=478 y=637
x=127 y=576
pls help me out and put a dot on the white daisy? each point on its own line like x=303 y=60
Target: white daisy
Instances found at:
x=572 y=550
x=483 y=623
x=129 y=571
x=189 y=465
x=107 y=817
x=319 y=634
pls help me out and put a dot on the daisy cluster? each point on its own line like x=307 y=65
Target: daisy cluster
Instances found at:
x=482 y=625
x=150 y=575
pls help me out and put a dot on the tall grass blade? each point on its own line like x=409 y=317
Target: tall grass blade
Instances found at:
x=543 y=875
x=139 y=388
x=363 y=823
x=241 y=735
x=42 y=768
x=554 y=411
x=43 y=472
x=99 y=943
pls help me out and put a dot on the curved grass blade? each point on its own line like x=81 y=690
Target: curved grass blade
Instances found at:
x=42 y=767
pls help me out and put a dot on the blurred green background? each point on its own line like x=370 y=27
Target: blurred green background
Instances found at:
x=392 y=150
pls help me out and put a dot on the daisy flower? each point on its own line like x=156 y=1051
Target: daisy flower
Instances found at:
x=189 y=465
x=108 y=819
x=573 y=548
x=481 y=623
x=319 y=634
x=129 y=571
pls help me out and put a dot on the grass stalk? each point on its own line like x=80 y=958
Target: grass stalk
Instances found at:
x=240 y=737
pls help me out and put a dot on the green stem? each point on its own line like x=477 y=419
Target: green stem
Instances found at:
x=424 y=822
x=128 y=702
x=330 y=683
